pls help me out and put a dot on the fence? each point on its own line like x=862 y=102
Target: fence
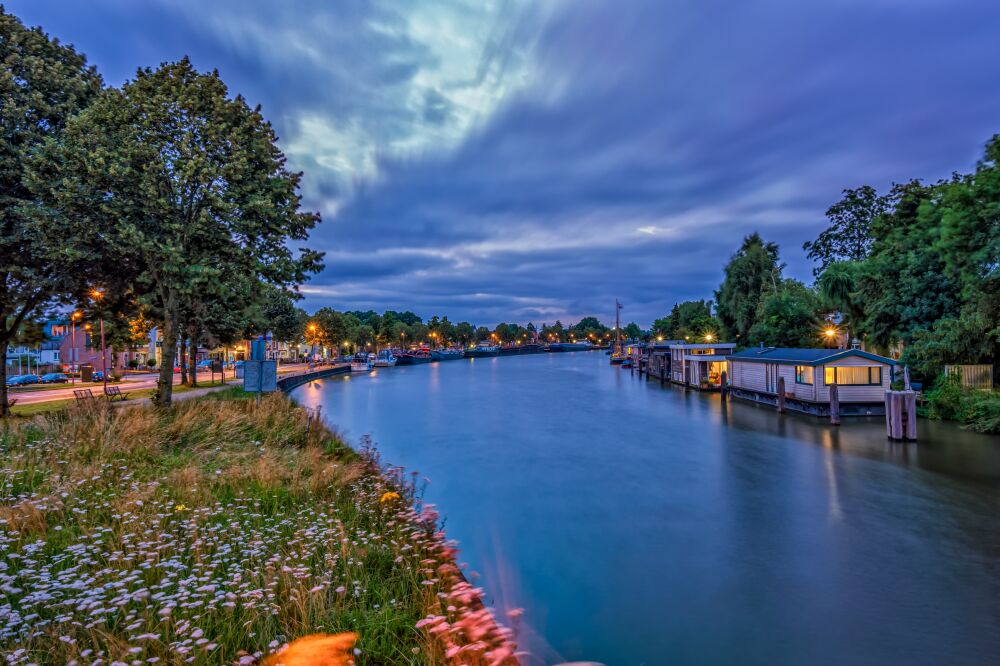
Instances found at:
x=972 y=376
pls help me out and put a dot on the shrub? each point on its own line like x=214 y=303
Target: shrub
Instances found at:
x=976 y=409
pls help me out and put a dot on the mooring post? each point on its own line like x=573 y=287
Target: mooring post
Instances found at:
x=834 y=405
x=896 y=418
x=909 y=399
x=723 y=378
x=888 y=415
x=663 y=371
x=781 y=395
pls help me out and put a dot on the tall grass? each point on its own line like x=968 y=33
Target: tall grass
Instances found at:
x=215 y=532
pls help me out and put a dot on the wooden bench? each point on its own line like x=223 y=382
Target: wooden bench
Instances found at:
x=82 y=395
x=115 y=393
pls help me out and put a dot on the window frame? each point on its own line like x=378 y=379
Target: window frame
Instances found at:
x=834 y=368
x=812 y=374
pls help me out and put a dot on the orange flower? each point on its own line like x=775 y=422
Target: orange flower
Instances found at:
x=388 y=497
x=316 y=650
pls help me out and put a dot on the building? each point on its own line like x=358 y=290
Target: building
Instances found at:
x=699 y=365
x=862 y=378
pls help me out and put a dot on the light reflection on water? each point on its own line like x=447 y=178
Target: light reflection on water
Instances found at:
x=639 y=524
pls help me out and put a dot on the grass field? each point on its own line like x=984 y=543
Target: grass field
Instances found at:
x=215 y=532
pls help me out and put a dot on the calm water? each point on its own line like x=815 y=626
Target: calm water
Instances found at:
x=646 y=525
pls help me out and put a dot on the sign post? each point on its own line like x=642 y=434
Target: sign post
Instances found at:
x=259 y=375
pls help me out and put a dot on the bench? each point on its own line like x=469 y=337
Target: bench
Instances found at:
x=115 y=393
x=82 y=395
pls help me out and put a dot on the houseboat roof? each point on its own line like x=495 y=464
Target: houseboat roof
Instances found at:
x=703 y=345
x=803 y=356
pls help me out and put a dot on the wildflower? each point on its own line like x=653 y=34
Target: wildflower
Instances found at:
x=180 y=507
x=315 y=650
x=388 y=497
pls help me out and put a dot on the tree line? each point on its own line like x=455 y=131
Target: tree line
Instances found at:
x=913 y=272
x=165 y=200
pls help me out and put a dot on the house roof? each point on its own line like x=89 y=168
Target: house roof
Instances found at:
x=705 y=345
x=802 y=356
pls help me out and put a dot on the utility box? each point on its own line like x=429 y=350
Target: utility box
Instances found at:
x=86 y=373
x=260 y=376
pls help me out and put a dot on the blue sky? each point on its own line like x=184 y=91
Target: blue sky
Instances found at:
x=533 y=161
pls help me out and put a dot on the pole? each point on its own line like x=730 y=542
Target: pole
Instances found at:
x=72 y=353
x=104 y=358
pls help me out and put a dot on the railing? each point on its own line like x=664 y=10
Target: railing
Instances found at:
x=972 y=376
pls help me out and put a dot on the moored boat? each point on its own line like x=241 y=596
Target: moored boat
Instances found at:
x=415 y=357
x=385 y=359
x=361 y=362
x=482 y=351
x=569 y=346
x=447 y=354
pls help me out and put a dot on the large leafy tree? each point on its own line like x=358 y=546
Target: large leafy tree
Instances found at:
x=689 y=319
x=42 y=84
x=753 y=268
x=787 y=317
x=173 y=172
x=848 y=238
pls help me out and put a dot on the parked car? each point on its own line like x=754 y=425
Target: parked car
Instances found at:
x=207 y=363
x=54 y=378
x=98 y=376
x=22 y=380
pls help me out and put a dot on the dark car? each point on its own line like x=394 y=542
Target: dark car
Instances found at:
x=22 y=380
x=97 y=376
x=54 y=378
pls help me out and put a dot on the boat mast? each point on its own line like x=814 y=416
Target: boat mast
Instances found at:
x=618 y=328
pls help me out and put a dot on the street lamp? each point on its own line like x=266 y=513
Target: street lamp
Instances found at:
x=708 y=337
x=72 y=354
x=97 y=295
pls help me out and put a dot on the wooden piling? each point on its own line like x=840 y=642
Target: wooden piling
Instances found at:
x=723 y=378
x=781 y=395
x=834 y=405
x=663 y=371
x=888 y=415
x=909 y=399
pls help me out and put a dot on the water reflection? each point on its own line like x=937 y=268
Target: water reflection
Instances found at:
x=647 y=524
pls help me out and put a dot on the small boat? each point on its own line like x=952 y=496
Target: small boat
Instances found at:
x=618 y=359
x=415 y=357
x=385 y=359
x=626 y=363
x=481 y=351
x=361 y=362
x=447 y=354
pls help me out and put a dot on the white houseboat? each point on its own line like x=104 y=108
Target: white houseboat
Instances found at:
x=699 y=365
x=862 y=378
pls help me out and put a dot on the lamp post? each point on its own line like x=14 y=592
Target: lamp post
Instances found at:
x=97 y=295
x=72 y=342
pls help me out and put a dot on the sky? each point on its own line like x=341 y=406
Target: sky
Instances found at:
x=513 y=161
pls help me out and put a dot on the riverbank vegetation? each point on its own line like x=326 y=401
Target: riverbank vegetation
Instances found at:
x=215 y=532
x=913 y=272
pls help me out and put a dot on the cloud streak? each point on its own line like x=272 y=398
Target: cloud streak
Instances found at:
x=497 y=161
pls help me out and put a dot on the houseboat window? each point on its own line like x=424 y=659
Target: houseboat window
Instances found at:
x=849 y=375
x=803 y=374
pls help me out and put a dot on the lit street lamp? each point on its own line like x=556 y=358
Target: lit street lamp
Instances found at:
x=97 y=295
x=72 y=342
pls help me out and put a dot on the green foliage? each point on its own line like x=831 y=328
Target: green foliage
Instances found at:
x=688 y=320
x=42 y=84
x=978 y=410
x=848 y=238
x=179 y=190
x=753 y=268
x=786 y=317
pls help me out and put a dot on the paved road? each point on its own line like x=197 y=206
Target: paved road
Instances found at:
x=134 y=382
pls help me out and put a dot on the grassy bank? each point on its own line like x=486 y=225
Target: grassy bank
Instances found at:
x=215 y=532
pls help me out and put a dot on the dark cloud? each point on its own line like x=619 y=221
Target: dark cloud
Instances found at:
x=534 y=164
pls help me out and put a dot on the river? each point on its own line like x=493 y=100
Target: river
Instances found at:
x=640 y=524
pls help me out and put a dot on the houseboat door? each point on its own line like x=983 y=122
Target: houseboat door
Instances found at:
x=771 y=377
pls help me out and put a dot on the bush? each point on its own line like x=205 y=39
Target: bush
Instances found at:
x=976 y=409
x=151 y=362
x=133 y=363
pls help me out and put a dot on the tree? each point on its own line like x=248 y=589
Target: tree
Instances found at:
x=786 y=317
x=848 y=238
x=690 y=319
x=280 y=315
x=464 y=332
x=753 y=267
x=838 y=291
x=42 y=84
x=172 y=173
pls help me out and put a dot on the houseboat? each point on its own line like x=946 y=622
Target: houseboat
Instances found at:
x=414 y=357
x=481 y=351
x=447 y=354
x=699 y=365
x=862 y=378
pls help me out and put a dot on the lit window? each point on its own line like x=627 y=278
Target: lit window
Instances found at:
x=854 y=375
x=803 y=374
